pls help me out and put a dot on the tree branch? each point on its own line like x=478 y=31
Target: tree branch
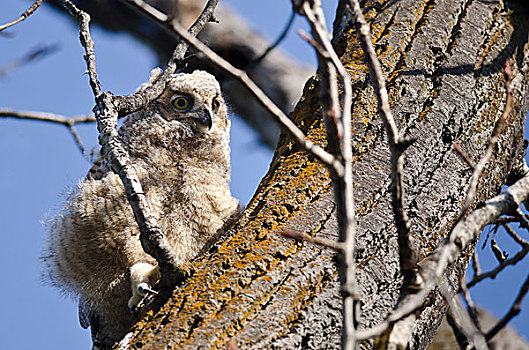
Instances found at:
x=276 y=43
x=327 y=243
x=23 y=16
x=496 y=132
x=397 y=145
x=339 y=138
x=465 y=231
x=513 y=311
x=493 y=273
x=52 y=118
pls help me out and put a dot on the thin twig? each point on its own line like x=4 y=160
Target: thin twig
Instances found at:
x=77 y=138
x=496 y=132
x=52 y=118
x=83 y=20
x=397 y=145
x=493 y=273
x=515 y=236
x=475 y=263
x=463 y=155
x=278 y=41
x=23 y=16
x=513 y=311
x=339 y=138
x=320 y=50
x=46 y=117
x=465 y=232
x=327 y=243
x=169 y=22
x=471 y=308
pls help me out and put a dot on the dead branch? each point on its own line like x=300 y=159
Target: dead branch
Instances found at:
x=46 y=117
x=52 y=118
x=463 y=155
x=513 y=311
x=465 y=231
x=327 y=243
x=275 y=44
x=493 y=273
x=496 y=132
x=23 y=16
x=339 y=138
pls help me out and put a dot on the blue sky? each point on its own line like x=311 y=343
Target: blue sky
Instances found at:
x=40 y=161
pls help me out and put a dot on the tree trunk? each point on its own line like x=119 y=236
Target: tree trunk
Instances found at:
x=256 y=289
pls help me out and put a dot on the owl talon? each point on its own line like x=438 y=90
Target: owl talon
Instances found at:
x=142 y=277
x=144 y=289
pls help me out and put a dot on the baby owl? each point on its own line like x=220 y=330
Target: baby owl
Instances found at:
x=179 y=146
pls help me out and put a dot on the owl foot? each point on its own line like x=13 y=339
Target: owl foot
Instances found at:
x=143 y=277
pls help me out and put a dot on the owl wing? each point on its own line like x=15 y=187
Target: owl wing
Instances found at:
x=84 y=313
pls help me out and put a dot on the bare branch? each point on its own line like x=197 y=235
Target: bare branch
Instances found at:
x=77 y=139
x=83 y=19
x=152 y=238
x=320 y=50
x=465 y=231
x=276 y=43
x=498 y=128
x=515 y=236
x=23 y=16
x=513 y=311
x=468 y=300
x=46 y=117
x=52 y=118
x=397 y=145
x=339 y=138
x=327 y=243
x=493 y=273
x=463 y=155
x=475 y=263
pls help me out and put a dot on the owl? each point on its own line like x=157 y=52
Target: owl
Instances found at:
x=179 y=146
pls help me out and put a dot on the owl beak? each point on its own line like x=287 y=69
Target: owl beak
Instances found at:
x=204 y=119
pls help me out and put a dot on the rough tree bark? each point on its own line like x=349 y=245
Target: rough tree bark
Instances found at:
x=256 y=289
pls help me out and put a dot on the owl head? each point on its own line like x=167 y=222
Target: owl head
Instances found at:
x=193 y=100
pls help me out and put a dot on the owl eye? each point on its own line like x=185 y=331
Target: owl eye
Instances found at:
x=215 y=105
x=182 y=103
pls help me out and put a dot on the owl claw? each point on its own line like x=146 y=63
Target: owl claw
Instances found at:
x=142 y=277
x=144 y=289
